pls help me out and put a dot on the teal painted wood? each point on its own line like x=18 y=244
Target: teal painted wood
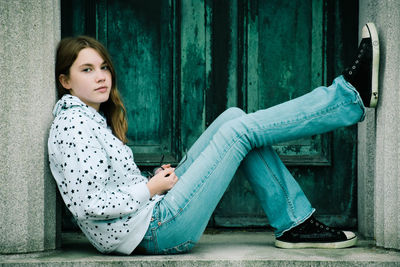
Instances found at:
x=278 y=40
x=286 y=55
x=181 y=63
x=139 y=38
x=73 y=18
x=194 y=67
x=288 y=62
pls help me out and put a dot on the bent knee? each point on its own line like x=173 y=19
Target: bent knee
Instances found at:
x=233 y=112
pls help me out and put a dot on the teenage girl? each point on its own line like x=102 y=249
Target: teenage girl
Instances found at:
x=119 y=210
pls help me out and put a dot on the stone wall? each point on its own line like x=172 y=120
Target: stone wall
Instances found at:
x=29 y=32
x=379 y=138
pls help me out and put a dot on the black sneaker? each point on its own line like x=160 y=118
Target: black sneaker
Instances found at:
x=363 y=73
x=314 y=234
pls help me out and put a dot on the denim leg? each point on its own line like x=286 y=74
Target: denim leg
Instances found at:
x=281 y=197
x=268 y=176
x=186 y=209
x=205 y=138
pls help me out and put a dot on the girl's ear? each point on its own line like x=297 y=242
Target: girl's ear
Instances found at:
x=64 y=81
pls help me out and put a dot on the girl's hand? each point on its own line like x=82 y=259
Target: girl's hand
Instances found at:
x=163 y=167
x=162 y=182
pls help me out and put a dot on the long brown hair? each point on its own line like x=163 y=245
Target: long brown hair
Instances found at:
x=113 y=109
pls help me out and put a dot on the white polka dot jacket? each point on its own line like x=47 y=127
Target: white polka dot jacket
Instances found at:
x=98 y=178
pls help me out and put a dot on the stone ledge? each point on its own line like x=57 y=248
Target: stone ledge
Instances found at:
x=220 y=249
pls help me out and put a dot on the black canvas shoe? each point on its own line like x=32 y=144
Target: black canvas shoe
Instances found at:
x=363 y=73
x=314 y=234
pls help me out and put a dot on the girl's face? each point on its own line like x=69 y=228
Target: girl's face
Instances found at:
x=89 y=78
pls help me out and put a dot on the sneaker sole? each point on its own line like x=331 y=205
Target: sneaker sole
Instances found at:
x=334 y=245
x=375 y=64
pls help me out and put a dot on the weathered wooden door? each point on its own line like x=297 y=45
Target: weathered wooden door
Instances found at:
x=180 y=63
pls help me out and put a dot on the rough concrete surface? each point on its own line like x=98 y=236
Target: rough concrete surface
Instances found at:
x=221 y=249
x=29 y=32
x=379 y=152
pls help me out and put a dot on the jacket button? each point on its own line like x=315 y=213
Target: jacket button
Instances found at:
x=159 y=223
x=152 y=219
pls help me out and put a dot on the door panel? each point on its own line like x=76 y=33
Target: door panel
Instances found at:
x=284 y=54
x=286 y=62
x=194 y=70
x=139 y=39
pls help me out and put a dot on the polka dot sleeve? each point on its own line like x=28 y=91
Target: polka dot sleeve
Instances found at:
x=93 y=188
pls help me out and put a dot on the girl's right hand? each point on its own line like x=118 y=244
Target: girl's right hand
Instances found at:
x=163 y=167
x=162 y=182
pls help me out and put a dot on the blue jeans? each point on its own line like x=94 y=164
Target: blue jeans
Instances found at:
x=180 y=218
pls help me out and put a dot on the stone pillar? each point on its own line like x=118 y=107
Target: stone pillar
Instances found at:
x=379 y=148
x=29 y=32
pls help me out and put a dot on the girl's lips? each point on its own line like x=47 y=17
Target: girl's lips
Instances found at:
x=102 y=89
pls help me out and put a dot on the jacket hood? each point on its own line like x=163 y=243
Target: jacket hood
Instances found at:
x=70 y=101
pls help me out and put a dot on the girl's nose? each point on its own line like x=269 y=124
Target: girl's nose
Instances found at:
x=100 y=76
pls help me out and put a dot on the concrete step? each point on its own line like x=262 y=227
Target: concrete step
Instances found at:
x=226 y=248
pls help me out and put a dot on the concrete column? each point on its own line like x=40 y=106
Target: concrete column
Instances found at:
x=29 y=32
x=379 y=152
x=366 y=174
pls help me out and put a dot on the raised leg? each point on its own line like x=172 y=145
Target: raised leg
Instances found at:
x=183 y=213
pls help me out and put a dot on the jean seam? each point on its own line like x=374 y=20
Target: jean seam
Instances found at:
x=296 y=223
x=183 y=244
x=281 y=186
x=304 y=118
x=154 y=239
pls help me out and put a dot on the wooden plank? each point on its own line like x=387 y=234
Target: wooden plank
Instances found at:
x=193 y=71
x=252 y=54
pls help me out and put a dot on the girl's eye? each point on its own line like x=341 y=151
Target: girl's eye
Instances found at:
x=105 y=67
x=87 y=70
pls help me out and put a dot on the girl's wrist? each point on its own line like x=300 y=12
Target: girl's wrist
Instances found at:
x=151 y=189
